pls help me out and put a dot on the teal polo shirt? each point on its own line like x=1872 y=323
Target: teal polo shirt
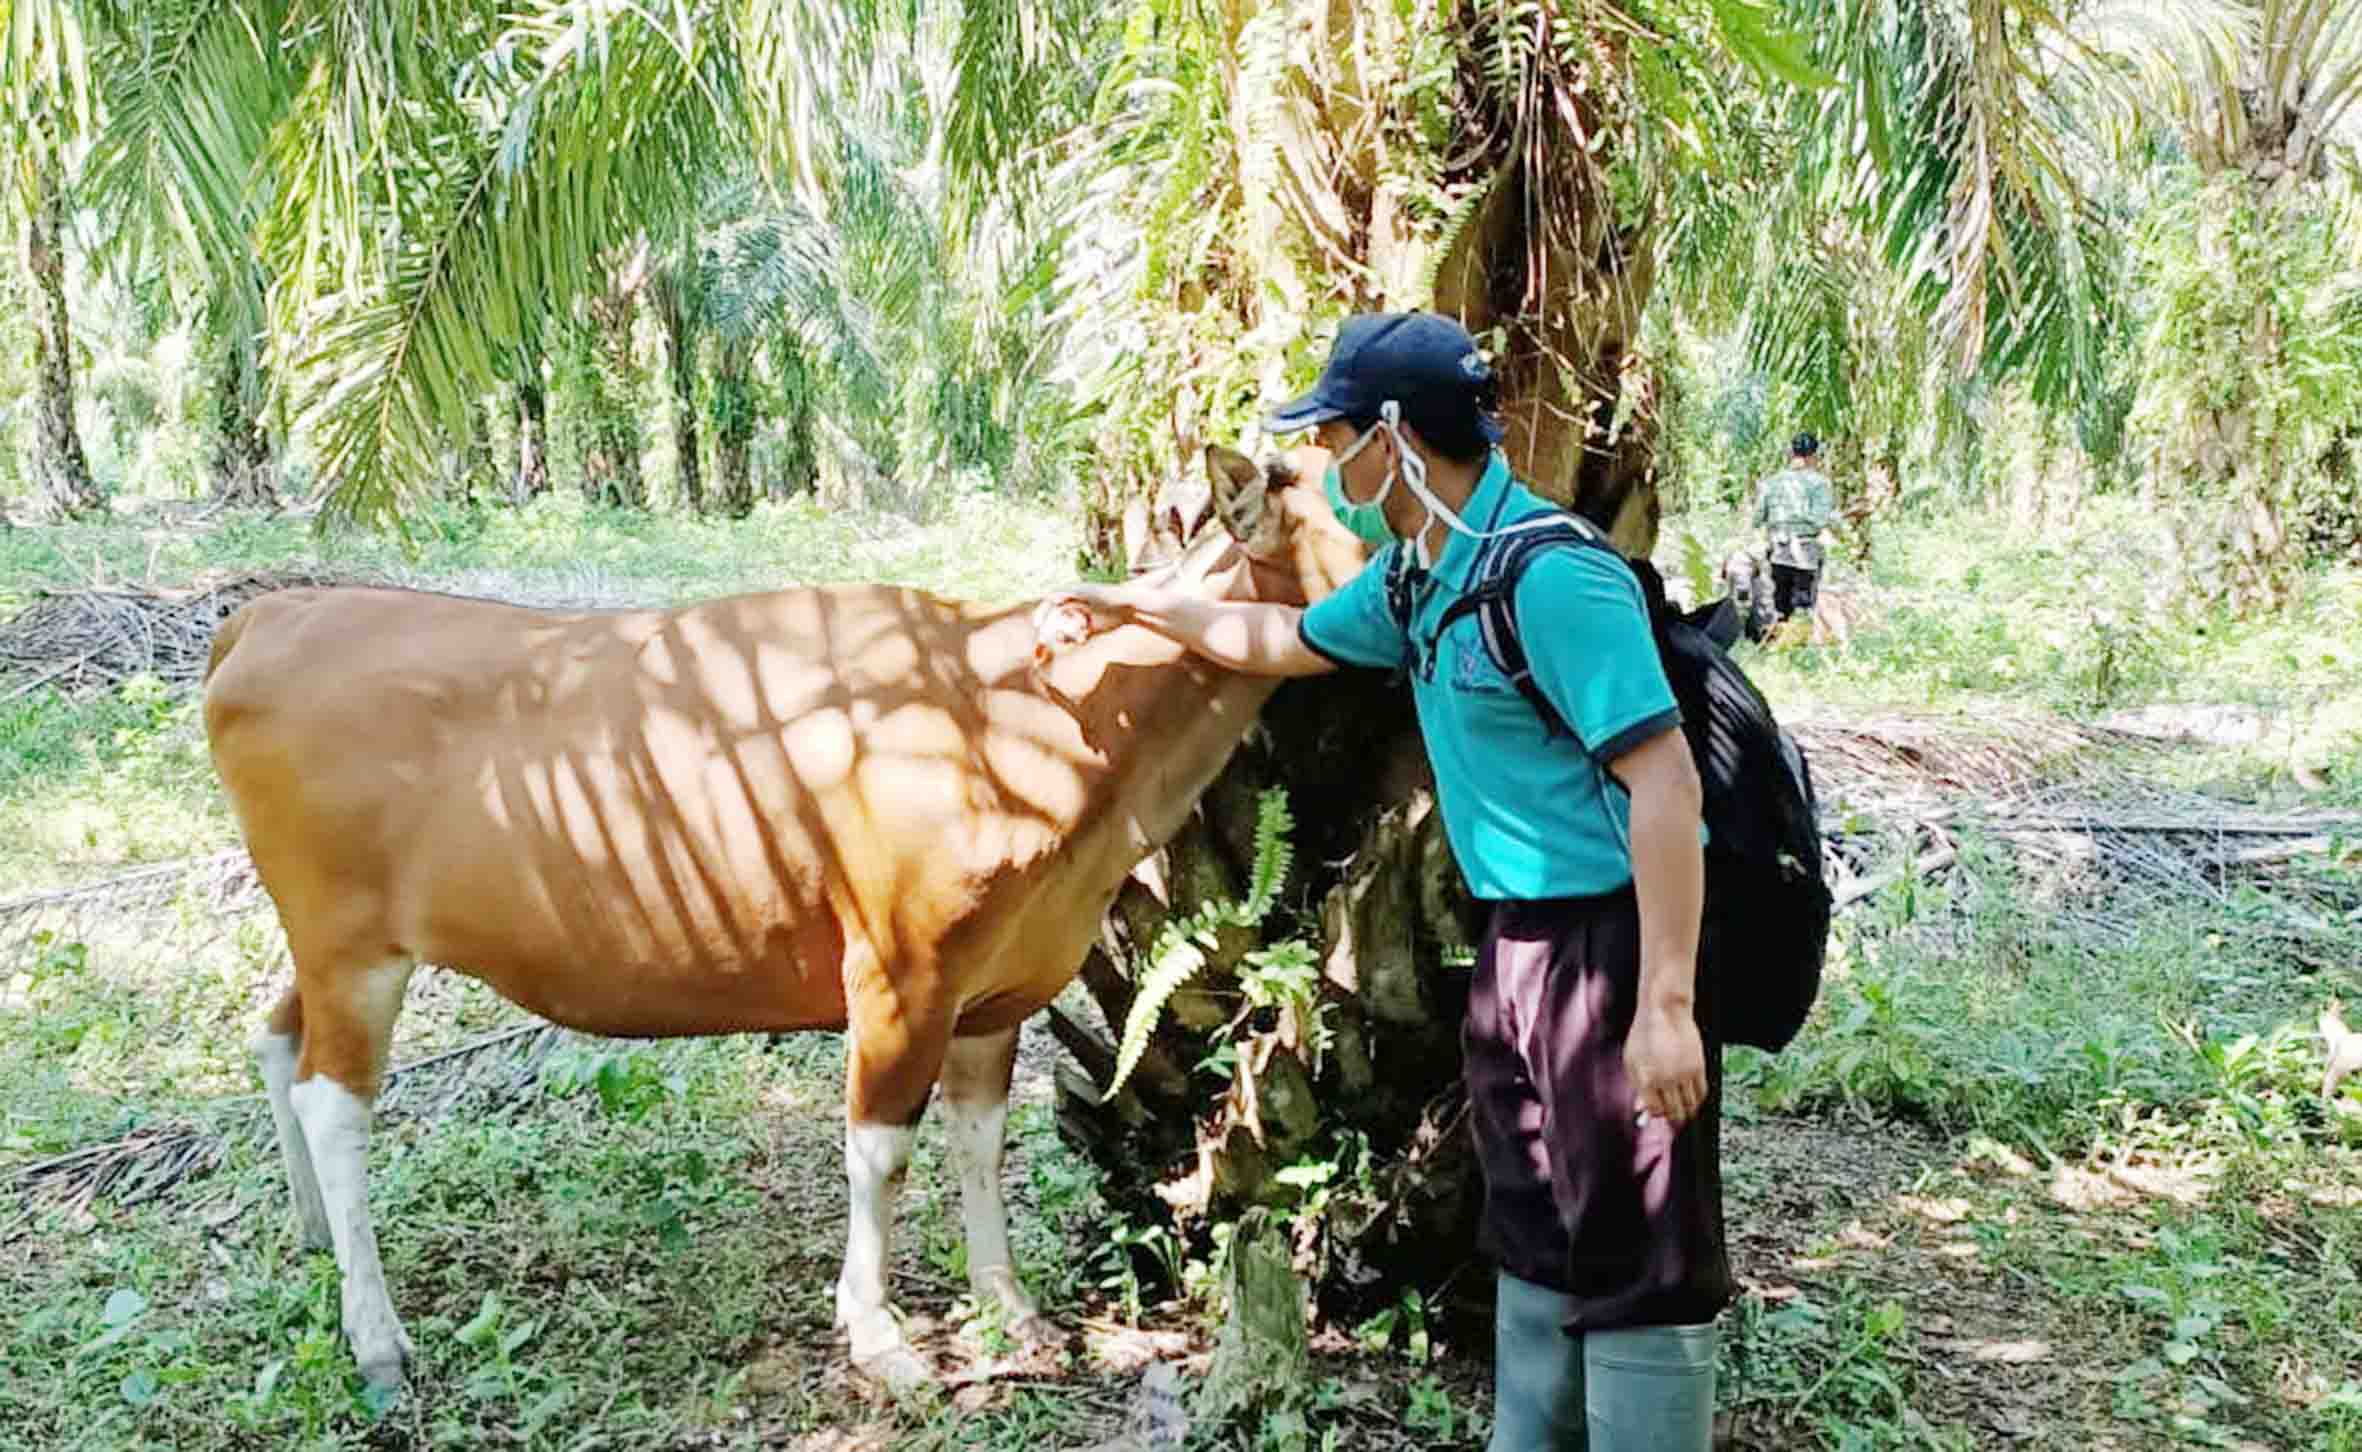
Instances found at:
x=1529 y=815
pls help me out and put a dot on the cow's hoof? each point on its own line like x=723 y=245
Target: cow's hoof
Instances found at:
x=1039 y=1332
x=381 y=1345
x=896 y=1367
x=383 y=1377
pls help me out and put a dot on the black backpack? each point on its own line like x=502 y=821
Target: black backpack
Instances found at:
x=1767 y=911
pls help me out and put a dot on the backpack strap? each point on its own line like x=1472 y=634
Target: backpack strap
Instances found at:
x=1492 y=598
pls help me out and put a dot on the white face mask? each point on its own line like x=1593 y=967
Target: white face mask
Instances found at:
x=1414 y=473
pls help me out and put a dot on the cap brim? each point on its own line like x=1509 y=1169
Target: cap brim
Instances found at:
x=1303 y=413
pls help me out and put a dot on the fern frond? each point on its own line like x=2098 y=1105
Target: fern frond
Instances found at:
x=1274 y=854
x=1454 y=224
x=1178 y=957
x=1182 y=945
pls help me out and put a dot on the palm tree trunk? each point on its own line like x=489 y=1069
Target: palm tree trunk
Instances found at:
x=680 y=339
x=245 y=465
x=61 y=471
x=611 y=466
x=1381 y=903
x=734 y=428
x=2243 y=534
x=1550 y=263
x=799 y=455
x=1545 y=263
x=472 y=462
x=531 y=480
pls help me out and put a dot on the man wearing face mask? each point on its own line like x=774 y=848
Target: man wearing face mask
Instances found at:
x=1592 y=1072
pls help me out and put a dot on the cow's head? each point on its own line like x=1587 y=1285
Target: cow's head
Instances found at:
x=1261 y=532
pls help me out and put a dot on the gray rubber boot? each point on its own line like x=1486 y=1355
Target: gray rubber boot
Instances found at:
x=1537 y=1372
x=1650 y=1389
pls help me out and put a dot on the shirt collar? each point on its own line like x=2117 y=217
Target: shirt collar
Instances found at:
x=1486 y=502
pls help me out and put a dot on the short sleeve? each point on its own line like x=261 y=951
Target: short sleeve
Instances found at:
x=1587 y=640
x=1353 y=627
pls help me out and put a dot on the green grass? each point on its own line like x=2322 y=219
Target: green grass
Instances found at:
x=984 y=547
x=1961 y=611
x=2128 y=1131
x=1929 y=1189
x=1968 y=1005
x=111 y=781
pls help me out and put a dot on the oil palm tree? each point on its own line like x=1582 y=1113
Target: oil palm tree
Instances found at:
x=1542 y=170
x=2264 y=99
x=45 y=100
x=177 y=168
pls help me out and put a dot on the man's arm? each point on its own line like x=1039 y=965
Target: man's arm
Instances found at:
x=1598 y=665
x=1664 y=1055
x=1252 y=639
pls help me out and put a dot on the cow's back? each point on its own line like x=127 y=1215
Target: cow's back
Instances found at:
x=639 y=822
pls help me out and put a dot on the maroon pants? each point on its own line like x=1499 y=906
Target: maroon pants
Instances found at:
x=1625 y=1217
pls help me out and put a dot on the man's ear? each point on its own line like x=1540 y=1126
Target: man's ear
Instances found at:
x=1241 y=494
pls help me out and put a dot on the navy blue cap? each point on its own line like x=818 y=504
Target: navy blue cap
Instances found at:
x=1425 y=362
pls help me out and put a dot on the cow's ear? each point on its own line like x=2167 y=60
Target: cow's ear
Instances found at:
x=1241 y=494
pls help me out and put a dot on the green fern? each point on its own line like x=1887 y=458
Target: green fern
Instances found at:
x=1454 y=224
x=1180 y=951
x=1274 y=855
x=1181 y=946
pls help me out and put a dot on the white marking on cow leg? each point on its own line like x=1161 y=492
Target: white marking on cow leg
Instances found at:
x=976 y=1106
x=877 y=1157
x=348 y=1029
x=336 y=1127
x=276 y=1053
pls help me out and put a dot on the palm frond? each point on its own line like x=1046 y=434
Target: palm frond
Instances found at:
x=1022 y=73
x=1800 y=331
x=47 y=81
x=192 y=93
x=466 y=235
x=1953 y=145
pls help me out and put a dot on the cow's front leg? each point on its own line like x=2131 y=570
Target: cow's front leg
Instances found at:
x=892 y=1059
x=976 y=1074
x=877 y=1157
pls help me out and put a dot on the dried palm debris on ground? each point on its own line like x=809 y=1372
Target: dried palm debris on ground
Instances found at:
x=80 y=641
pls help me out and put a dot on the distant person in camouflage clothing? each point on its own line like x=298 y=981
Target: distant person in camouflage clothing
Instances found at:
x=1794 y=509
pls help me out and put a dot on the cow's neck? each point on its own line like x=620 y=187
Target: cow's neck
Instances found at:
x=1161 y=724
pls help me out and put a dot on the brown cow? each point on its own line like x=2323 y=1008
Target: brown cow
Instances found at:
x=848 y=807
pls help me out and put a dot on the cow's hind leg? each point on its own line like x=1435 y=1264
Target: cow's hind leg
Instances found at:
x=893 y=1053
x=348 y=1021
x=276 y=1049
x=976 y=1075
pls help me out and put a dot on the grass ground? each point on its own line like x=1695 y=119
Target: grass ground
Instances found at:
x=2018 y=1184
